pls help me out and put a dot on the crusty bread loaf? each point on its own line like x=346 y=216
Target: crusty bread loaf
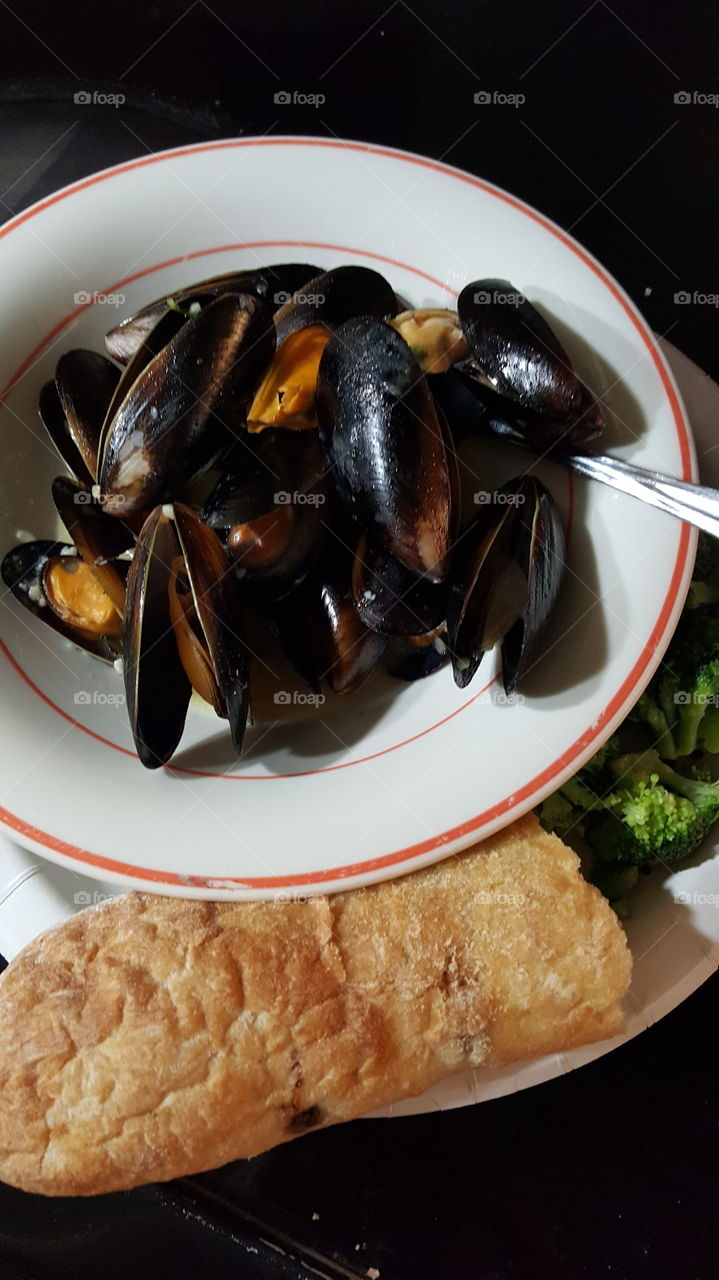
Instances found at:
x=153 y=1037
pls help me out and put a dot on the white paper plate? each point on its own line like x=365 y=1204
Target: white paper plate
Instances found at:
x=399 y=776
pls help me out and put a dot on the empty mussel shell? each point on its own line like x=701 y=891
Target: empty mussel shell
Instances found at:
x=157 y=689
x=274 y=284
x=380 y=434
x=541 y=555
x=182 y=624
x=504 y=579
x=170 y=426
x=73 y=408
x=57 y=586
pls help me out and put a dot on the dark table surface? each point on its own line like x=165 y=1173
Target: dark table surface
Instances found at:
x=611 y=1171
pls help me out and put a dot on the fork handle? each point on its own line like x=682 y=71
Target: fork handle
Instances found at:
x=696 y=504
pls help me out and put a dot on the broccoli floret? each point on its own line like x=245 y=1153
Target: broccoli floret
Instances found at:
x=595 y=767
x=559 y=815
x=655 y=812
x=686 y=685
x=705 y=562
x=614 y=880
x=709 y=730
x=566 y=810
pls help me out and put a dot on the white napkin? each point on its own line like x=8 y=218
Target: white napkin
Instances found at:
x=35 y=894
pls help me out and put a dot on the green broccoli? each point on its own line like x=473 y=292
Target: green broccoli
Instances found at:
x=675 y=703
x=565 y=811
x=654 y=813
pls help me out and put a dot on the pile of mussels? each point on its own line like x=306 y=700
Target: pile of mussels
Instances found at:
x=326 y=431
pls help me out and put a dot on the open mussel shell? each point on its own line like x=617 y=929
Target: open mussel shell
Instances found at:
x=218 y=609
x=286 y=396
x=53 y=419
x=273 y=284
x=32 y=570
x=380 y=433
x=261 y=470
x=170 y=426
x=334 y=296
x=73 y=408
x=272 y=505
x=516 y=354
x=413 y=658
x=161 y=333
x=392 y=600
x=100 y=539
x=541 y=555
x=156 y=686
x=319 y=630
x=247 y=483
x=178 y=556
x=504 y=580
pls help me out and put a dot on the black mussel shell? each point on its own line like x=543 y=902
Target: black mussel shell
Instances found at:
x=482 y=412
x=389 y=598
x=156 y=687
x=218 y=609
x=53 y=419
x=504 y=580
x=516 y=354
x=380 y=433
x=486 y=590
x=261 y=471
x=22 y=571
x=319 y=630
x=541 y=554
x=99 y=538
x=166 y=328
x=274 y=284
x=334 y=296
x=73 y=408
x=415 y=658
x=170 y=426
x=274 y=489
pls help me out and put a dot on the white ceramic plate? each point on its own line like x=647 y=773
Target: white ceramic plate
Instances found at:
x=673 y=931
x=399 y=776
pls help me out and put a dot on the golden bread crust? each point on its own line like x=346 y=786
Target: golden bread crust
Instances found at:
x=156 y=1037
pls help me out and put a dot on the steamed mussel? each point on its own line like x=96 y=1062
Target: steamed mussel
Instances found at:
x=279 y=445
